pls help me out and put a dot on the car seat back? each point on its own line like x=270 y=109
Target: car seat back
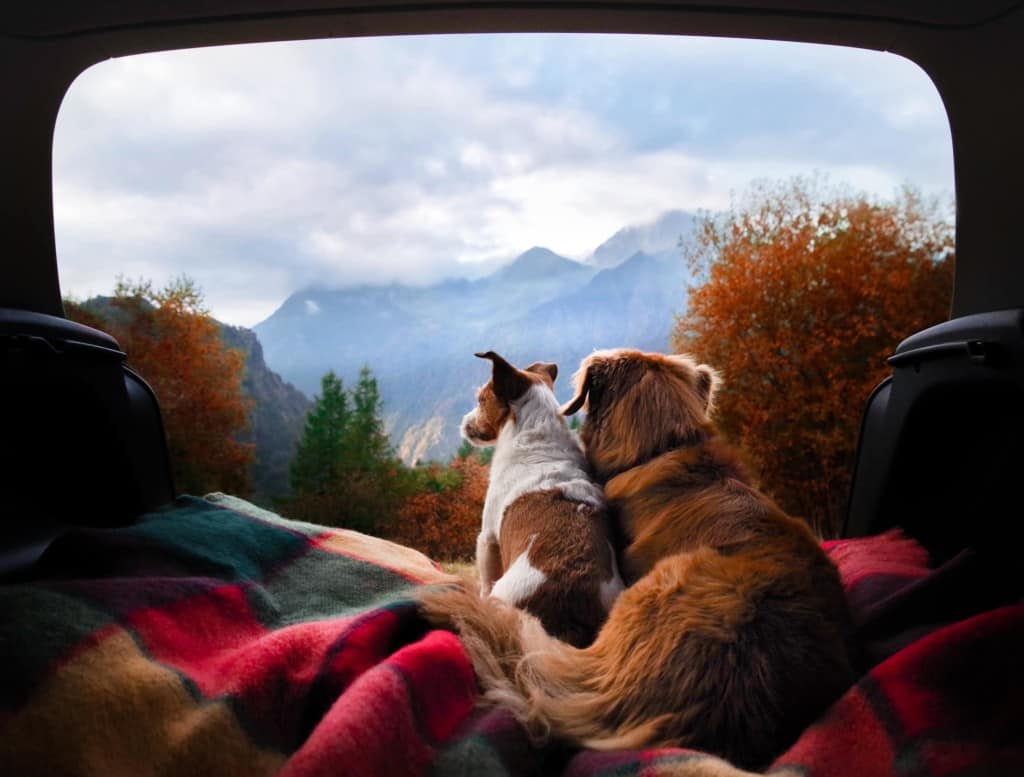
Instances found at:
x=82 y=438
x=942 y=439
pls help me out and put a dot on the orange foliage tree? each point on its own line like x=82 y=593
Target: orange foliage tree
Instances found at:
x=442 y=518
x=801 y=292
x=174 y=344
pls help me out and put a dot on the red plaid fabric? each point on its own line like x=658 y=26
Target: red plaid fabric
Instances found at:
x=218 y=639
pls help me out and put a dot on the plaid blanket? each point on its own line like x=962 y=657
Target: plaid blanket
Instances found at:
x=215 y=638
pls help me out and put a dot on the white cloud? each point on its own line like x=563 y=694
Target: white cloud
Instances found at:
x=261 y=170
x=567 y=206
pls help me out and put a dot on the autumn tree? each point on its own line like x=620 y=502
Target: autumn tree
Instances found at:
x=174 y=344
x=441 y=518
x=83 y=313
x=801 y=292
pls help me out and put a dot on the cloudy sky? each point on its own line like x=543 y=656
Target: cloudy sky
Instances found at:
x=259 y=170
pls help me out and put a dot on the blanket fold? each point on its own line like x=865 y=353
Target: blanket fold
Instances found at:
x=216 y=638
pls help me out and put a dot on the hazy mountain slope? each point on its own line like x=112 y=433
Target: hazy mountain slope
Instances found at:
x=419 y=342
x=654 y=237
x=631 y=306
x=389 y=327
x=276 y=421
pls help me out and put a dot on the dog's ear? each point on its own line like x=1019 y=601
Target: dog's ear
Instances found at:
x=582 y=391
x=544 y=368
x=509 y=383
x=708 y=382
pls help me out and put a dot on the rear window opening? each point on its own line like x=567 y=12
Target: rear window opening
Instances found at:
x=301 y=246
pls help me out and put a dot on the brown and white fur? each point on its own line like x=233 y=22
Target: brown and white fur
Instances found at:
x=732 y=637
x=543 y=545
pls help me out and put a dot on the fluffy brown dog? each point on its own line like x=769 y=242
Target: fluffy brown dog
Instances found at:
x=732 y=638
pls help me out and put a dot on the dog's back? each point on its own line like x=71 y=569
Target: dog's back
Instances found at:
x=565 y=543
x=701 y=496
x=544 y=543
x=760 y=604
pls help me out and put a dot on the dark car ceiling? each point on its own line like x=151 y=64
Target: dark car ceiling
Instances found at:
x=74 y=16
x=973 y=51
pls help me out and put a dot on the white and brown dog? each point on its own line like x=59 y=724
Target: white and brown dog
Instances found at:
x=732 y=635
x=543 y=545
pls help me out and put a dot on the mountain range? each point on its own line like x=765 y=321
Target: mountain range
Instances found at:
x=419 y=340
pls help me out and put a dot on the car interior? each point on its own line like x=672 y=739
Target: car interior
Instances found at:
x=942 y=438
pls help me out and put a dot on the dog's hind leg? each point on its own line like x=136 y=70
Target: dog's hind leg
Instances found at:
x=488 y=561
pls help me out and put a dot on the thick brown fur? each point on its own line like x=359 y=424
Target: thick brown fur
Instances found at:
x=732 y=637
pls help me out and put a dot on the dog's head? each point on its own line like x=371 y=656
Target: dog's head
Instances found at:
x=640 y=405
x=495 y=399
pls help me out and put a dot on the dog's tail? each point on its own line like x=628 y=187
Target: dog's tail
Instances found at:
x=728 y=654
x=551 y=687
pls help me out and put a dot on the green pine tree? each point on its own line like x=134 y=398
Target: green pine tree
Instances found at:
x=368 y=445
x=345 y=472
x=322 y=451
x=467 y=449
